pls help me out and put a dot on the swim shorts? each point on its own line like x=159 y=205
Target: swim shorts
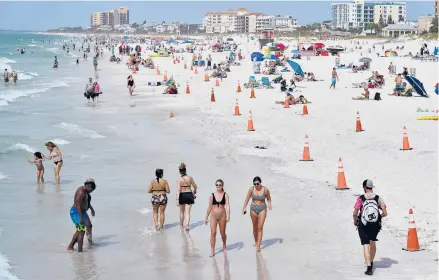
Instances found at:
x=368 y=233
x=74 y=215
x=334 y=81
x=159 y=199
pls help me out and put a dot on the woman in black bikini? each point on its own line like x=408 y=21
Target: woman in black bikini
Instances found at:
x=185 y=196
x=159 y=187
x=219 y=207
x=130 y=84
x=56 y=156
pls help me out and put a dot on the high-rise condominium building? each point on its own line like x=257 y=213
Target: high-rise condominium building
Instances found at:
x=112 y=17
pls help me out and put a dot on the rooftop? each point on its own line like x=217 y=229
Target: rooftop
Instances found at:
x=400 y=26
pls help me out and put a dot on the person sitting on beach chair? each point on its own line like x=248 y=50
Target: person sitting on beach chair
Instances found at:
x=172 y=89
x=364 y=96
x=283 y=85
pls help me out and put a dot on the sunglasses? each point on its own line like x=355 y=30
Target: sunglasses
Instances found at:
x=256 y=184
x=218 y=185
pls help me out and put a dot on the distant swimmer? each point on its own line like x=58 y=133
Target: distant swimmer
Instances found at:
x=258 y=209
x=159 y=187
x=55 y=63
x=56 y=156
x=38 y=160
x=186 y=194
x=219 y=212
x=369 y=209
x=6 y=77
x=78 y=213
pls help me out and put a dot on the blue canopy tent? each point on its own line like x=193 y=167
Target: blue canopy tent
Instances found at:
x=417 y=85
x=257 y=56
x=187 y=42
x=296 y=67
x=172 y=42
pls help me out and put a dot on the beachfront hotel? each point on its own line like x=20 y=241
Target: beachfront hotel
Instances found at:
x=243 y=21
x=436 y=8
x=358 y=14
x=110 y=18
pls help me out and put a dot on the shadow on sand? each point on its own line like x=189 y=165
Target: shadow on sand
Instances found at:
x=168 y=226
x=100 y=241
x=196 y=224
x=270 y=242
x=384 y=263
x=235 y=246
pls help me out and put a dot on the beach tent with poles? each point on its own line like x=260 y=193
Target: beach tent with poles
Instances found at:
x=296 y=67
x=187 y=42
x=390 y=53
x=417 y=86
x=172 y=41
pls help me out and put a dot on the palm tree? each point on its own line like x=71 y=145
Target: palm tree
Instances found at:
x=434 y=25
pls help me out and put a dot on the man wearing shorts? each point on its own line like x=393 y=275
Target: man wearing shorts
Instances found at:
x=368 y=232
x=334 y=78
x=78 y=213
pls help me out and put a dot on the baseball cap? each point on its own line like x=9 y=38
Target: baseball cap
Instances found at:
x=368 y=184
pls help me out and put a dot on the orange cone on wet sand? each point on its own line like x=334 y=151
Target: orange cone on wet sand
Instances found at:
x=405 y=141
x=206 y=77
x=217 y=84
x=185 y=66
x=306 y=156
x=286 y=103
x=196 y=70
x=239 y=88
x=212 y=96
x=192 y=67
x=341 y=180
x=304 y=110
x=165 y=77
x=171 y=115
x=188 y=90
x=157 y=70
x=412 y=236
x=252 y=93
x=358 y=127
x=250 y=122
x=236 y=113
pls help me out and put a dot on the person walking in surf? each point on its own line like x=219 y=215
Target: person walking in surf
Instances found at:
x=258 y=208
x=130 y=85
x=78 y=213
x=185 y=196
x=38 y=160
x=159 y=188
x=56 y=156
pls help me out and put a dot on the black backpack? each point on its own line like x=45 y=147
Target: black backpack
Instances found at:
x=377 y=96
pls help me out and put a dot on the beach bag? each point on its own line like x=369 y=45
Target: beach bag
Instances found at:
x=377 y=96
x=370 y=212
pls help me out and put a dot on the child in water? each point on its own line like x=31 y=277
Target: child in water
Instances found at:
x=38 y=160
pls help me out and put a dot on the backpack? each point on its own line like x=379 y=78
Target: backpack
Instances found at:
x=370 y=213
x=377 y=96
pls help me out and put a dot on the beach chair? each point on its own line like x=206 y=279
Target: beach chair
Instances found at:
x=266 y=82
x=169 y=82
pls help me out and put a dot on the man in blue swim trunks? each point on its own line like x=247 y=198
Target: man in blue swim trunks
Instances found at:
x=78 y=213
x=334 y=78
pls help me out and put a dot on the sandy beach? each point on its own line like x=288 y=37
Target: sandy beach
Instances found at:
x=309 y=233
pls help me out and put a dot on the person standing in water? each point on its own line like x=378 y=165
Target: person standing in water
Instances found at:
x=78 y=213
x=130 y=84
x=56 y=156
x=219 y=211
x=38 y=160
x=185 y=196
x=334 y=78
x=6 y=77
x=258 y=209
x=14 y=77
x=159 y=187
x=88 y=224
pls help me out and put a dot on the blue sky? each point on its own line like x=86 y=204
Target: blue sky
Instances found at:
x=44 y=15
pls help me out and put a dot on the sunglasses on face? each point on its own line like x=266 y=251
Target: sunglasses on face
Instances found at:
x=218 y=185
x=256 y=184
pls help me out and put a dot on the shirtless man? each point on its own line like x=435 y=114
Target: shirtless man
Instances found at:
x=78 y=213
x=14 y=77
x=6 y=77
x=334 y=78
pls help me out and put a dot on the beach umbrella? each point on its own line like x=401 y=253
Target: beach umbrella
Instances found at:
x=417 y=85
x=257 y=56
x=187 y=42
x=365 y=60
x=296 y=67
x=281 y=46
x=319 y=45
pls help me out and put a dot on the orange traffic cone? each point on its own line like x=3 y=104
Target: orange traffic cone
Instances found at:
x=405 y=141
x=358 y=127
x=157 y=70
x=165 y=77
x=252 y=93
x=206 y=77
x=236 y=109
x=304 y=110
x=239 y=88
x=217 y=84
x=196 y=70
x=188 y=90
x=306 y=156
x=250 y=122
x=185 y=67
x=174 y=61
x=341 y=180
x=212 y=96
x=286 y=103
x=412 y=236
x=192 y=67
x=171 y=115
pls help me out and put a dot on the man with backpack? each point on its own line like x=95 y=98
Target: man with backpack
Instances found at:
x=368 y=211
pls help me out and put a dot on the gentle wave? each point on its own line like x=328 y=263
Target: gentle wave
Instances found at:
x=21 y=147
x=79 y=130
x=33 y=45
x=60 y=141
x=2 y=176
x=5 y=268
x=7 y=60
